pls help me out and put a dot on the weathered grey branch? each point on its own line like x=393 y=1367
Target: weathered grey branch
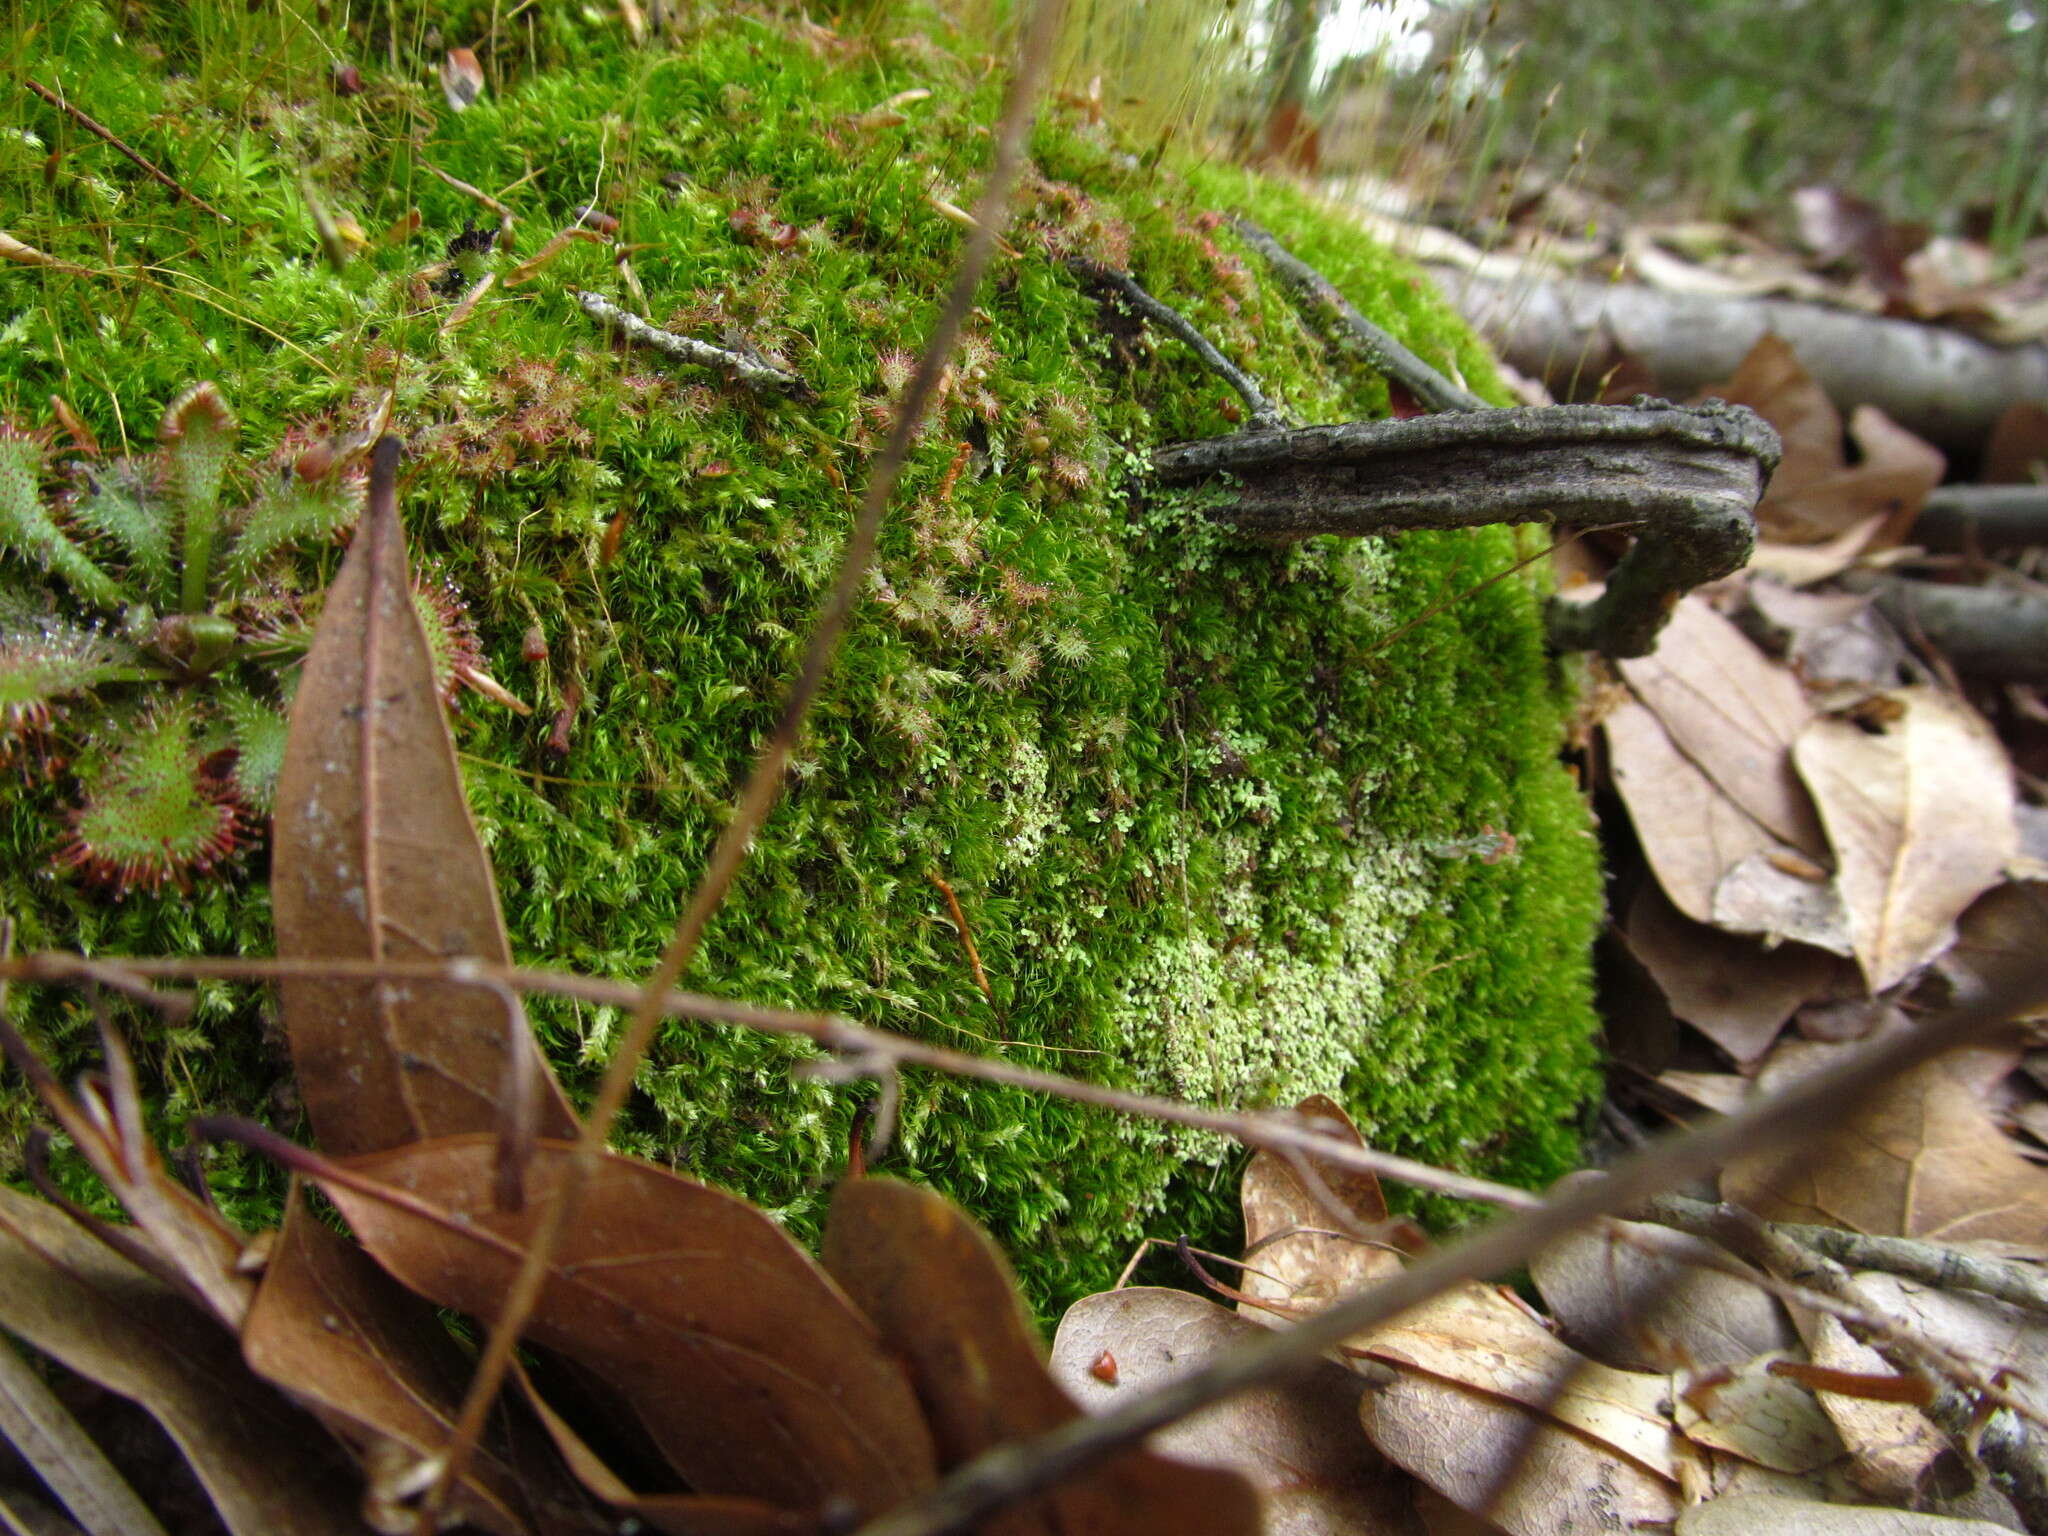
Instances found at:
x=1989 y=516
x=1996 y=632
x=1264 y=413
x=1383 y=352
x=1935 y=1264
x=751 y=371
x=1941 y=383
x=1687 y=479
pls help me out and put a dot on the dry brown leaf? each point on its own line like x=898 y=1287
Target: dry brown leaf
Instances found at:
x=1768 y=895
x=1299 y=1444
x=1476 y=1335
x=269 y=1469
x=333 y=1329
x=1638 y=1307
x=374 y=856
x=1802 y=565
x=1732 y=989
x=674 y=1514
x=2018 y=451
x=1756 y=1416
x=1527 y=1474
x=1735 y=713
x=1691 y=832
x=1816 y=495
x=1771 y=382
x=1921 y=1158
x=750 y=1368
x=1890 y=481
x=2000 y=1340
x=2000 y=933
x=1283 y=1222
x=1892 y=1446
x=944 y=1299
x=1753 y=1514
x=1919 y=812
x=1722 y=1092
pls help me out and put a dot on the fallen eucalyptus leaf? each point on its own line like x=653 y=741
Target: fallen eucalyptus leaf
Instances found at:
x=1292 y=1259
x=1644 y=1309
x=945 y=1301
x=270 y=1469
x=375 y=857
x=750 y=1368
x=1526 y=1473
x=333 y=1329
x=1735 y=713
x=1299 y=1443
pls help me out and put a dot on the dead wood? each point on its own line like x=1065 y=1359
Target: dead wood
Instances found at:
x=1994 y=631
x=1684 y=479
x=1986 y=517
x=1944 y=385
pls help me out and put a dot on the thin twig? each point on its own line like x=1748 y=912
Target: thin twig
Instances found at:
x=1935 y=1264
x=868 y=1052
x=101 y=131
x=966 y=936
x=1382 y=351
x=1021 y=1468
x=754 y=372
x=765 y=783
x=506 y=220
x=1264 y=413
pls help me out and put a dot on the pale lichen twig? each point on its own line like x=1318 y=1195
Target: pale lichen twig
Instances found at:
x=1936 y=1264
x=1382 y=351
x=753 y=371
x=1264 y=413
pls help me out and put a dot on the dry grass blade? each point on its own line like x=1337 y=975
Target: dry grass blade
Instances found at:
x=748 y=1367
x=334 y=1330
x=375 y=856
x=945 y=1301
x=269 y=1469
x=765 y=782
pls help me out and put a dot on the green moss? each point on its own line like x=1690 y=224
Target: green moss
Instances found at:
x=1216 y=834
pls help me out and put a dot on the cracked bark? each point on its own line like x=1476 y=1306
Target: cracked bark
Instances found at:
x=1686 y=478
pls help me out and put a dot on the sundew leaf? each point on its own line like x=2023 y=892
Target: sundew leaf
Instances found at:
x=375 y=858
x=946 y=1303
x=291 y=511
x=750 y=1368
x=122 y=504
x=28 y=532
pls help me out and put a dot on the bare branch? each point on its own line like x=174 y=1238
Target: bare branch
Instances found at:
x=1383 y=352
x=751 y=370
x=1264 y=413
x=864 y=1052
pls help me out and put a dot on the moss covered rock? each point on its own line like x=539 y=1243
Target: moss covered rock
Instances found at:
x=1227 y=822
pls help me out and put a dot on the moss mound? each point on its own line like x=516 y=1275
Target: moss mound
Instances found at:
x=1227 y=822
